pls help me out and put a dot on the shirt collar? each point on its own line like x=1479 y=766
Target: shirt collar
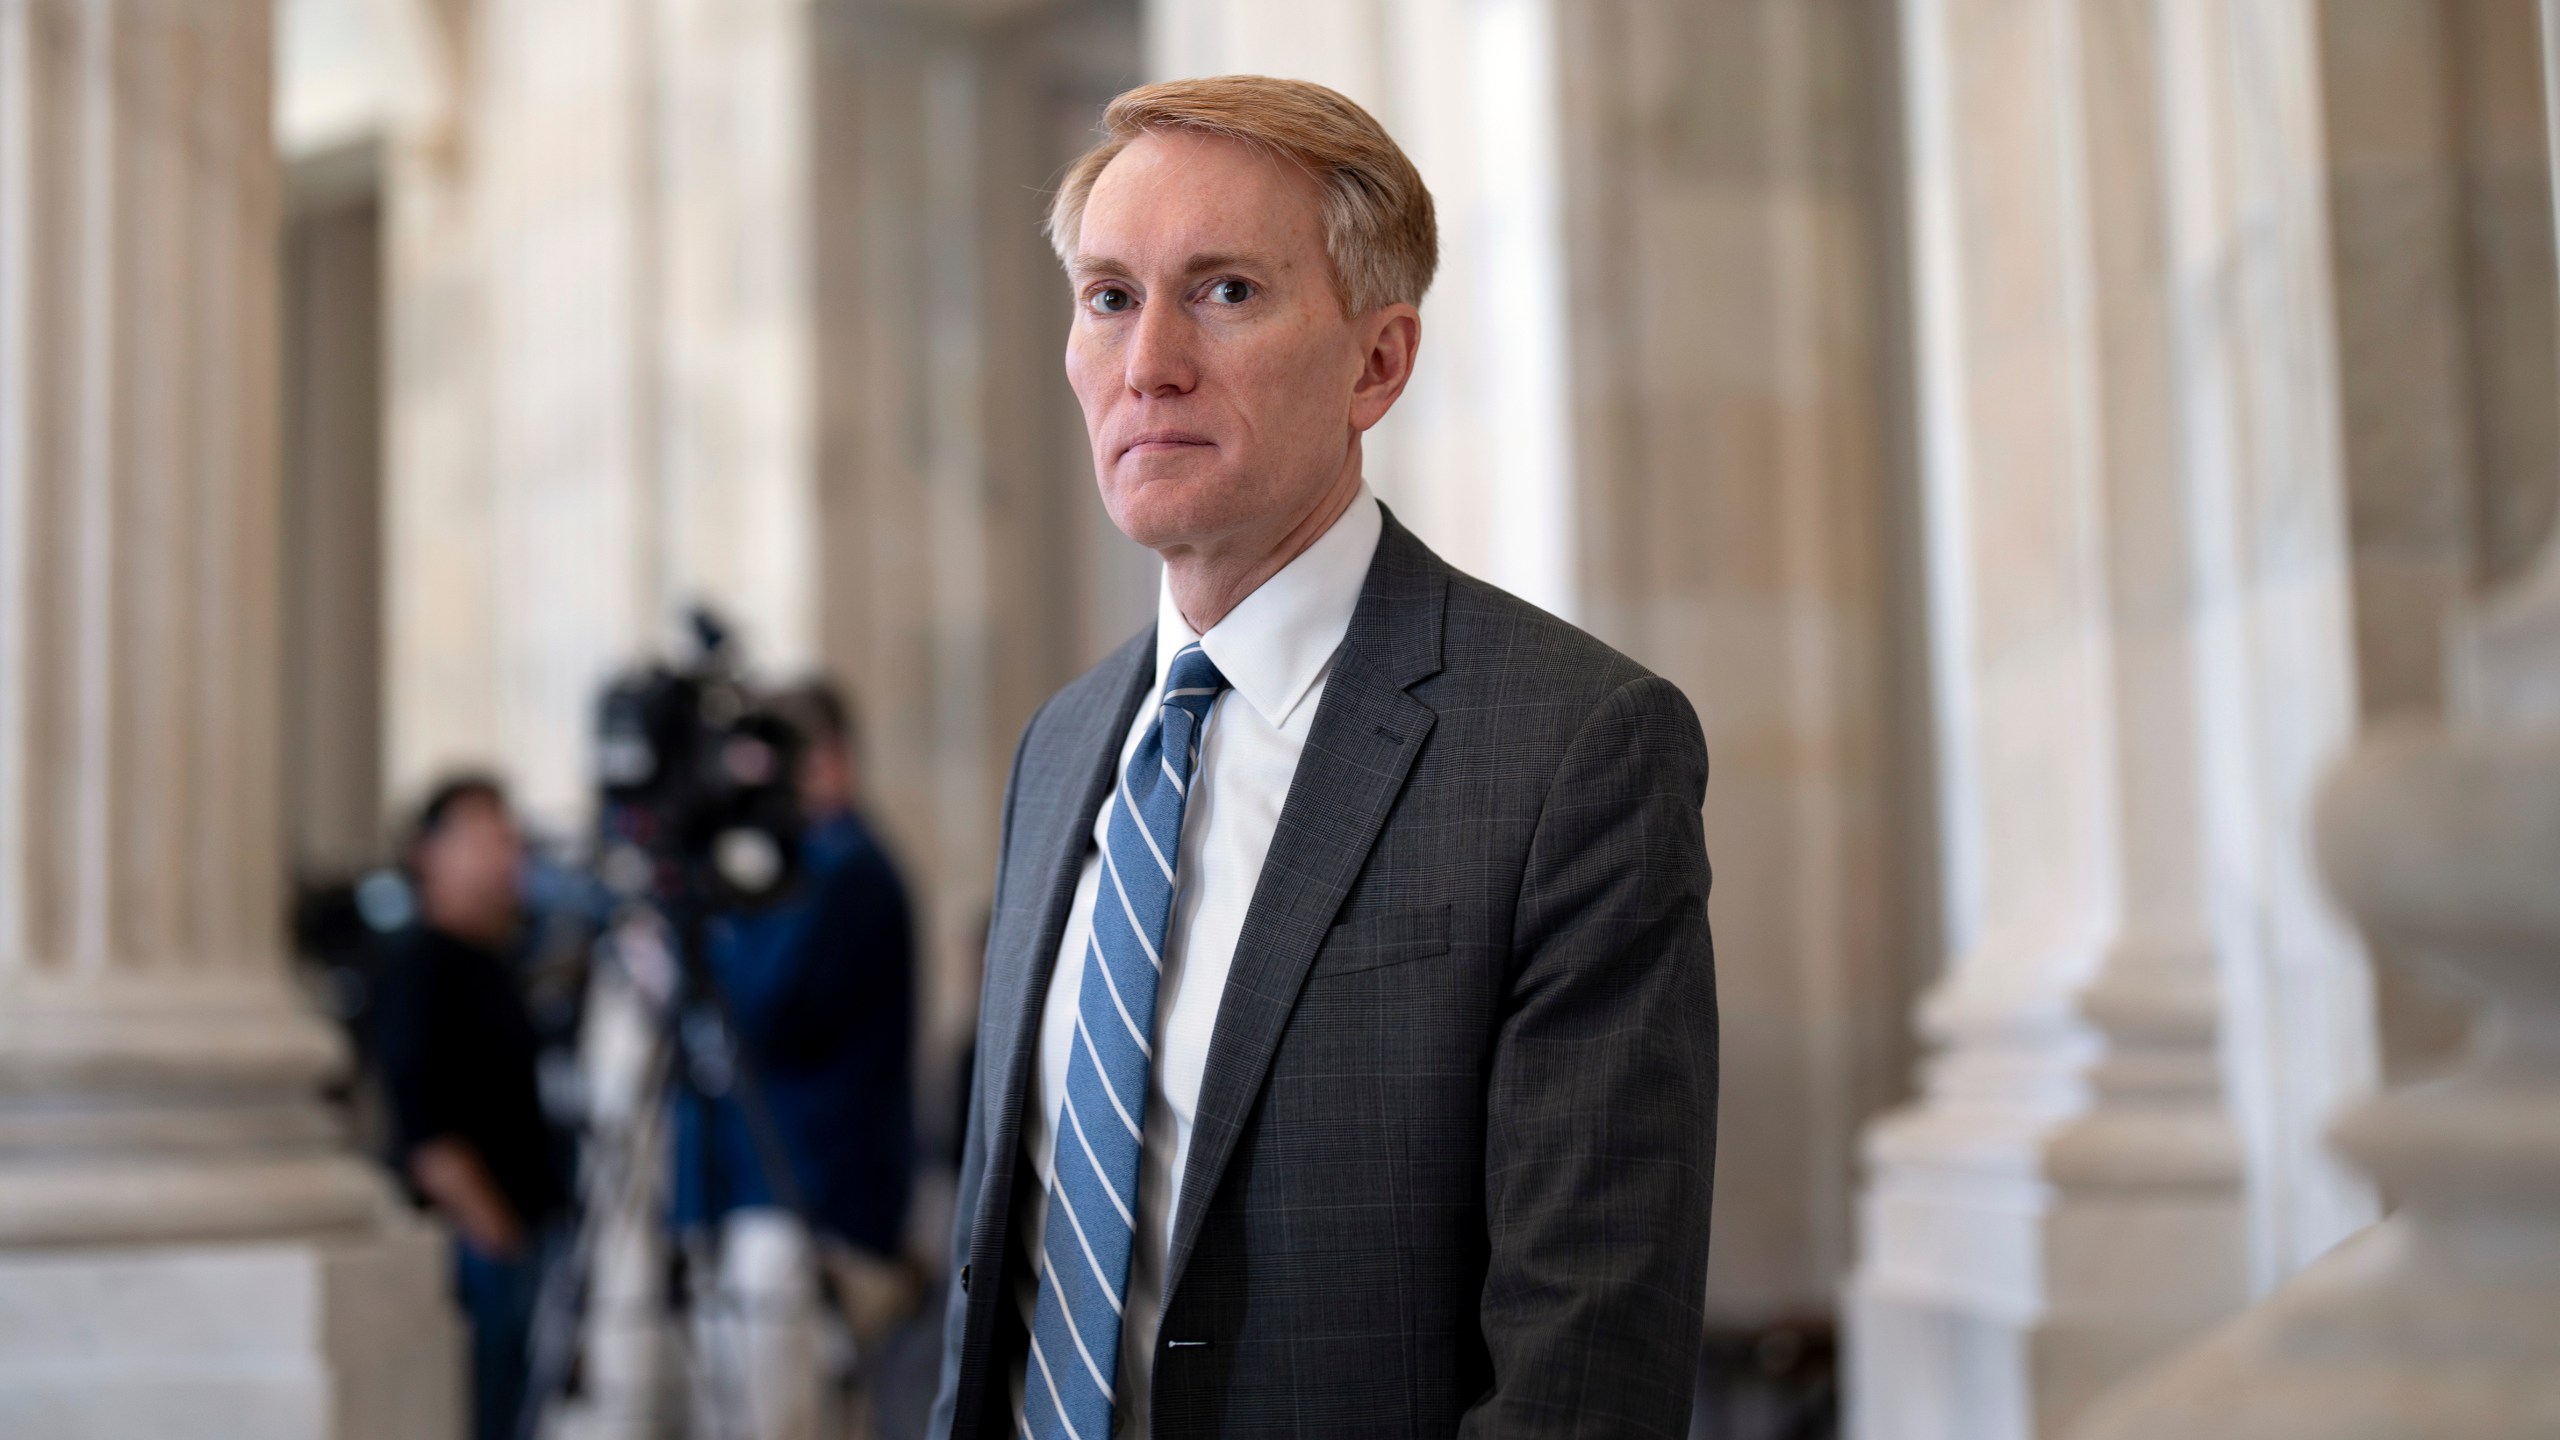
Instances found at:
x=1276 y=641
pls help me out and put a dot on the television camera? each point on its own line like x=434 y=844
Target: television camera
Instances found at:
x=698 y=818
x=698 y=806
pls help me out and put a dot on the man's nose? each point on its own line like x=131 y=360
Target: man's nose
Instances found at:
x=1162 y=360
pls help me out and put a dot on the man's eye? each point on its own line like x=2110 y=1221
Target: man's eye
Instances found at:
x=1110 y=300
x=1231 y=292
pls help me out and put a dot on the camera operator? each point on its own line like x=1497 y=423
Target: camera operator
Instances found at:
x=821 y=988
x=458 y=1059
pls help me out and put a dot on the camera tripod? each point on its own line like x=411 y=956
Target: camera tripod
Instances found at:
x=694 y=1058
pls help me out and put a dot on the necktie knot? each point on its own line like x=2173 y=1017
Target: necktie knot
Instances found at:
x=1192 y=682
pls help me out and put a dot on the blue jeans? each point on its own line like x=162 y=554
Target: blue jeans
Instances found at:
x=497 y=1298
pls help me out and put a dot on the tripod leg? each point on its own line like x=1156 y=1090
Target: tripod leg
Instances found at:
x=617 y=1207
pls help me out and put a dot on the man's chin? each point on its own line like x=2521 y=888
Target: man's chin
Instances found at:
x=1160 y=510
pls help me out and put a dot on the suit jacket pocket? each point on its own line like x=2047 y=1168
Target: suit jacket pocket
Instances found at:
x=1373 y=942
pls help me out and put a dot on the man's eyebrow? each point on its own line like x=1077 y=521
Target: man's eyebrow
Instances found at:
x=1223 y=260
x=1198 y=264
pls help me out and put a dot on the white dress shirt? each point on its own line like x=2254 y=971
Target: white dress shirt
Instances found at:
x=1275 y=648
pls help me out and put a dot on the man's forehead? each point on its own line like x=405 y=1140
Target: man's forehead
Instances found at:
x=1197 y=200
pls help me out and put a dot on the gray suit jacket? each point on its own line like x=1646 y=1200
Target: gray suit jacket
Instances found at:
x=1456 y=1139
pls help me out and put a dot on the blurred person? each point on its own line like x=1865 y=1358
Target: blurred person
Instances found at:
x=458 y=1062
x=821 y=989
x=1348 y=1056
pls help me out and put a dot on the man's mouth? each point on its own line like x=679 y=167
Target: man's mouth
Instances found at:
x=1156 y=441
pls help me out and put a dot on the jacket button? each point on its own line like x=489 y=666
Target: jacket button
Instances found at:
x=964 y=1279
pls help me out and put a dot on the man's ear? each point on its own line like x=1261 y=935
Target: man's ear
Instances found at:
x=1394 y=336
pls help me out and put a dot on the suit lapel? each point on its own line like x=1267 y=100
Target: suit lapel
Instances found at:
x=1366 y=735
x=1057 y=788
x=1055 y=836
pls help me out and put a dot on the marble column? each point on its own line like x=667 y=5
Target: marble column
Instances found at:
x=185 y=1244
x=575 y=566
x=1730 y=342
x=2137 y=576
x=439 y=677
x=2442 y=1322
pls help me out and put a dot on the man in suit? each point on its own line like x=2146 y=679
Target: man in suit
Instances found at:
x=1347 y=1058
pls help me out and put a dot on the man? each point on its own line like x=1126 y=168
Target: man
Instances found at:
x=1347 y=1055
x=458 y=1056
x=822 y=990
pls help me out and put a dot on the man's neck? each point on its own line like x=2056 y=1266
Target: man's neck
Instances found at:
x=1208 y=582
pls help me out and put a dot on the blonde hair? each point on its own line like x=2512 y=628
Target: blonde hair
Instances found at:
x=1379 y=229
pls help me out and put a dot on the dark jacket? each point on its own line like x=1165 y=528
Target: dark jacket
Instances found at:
x=1456 y=1139
x=458 y=1060
x=822 y=988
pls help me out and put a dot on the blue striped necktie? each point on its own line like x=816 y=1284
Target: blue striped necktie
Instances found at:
x=1093 y=1195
